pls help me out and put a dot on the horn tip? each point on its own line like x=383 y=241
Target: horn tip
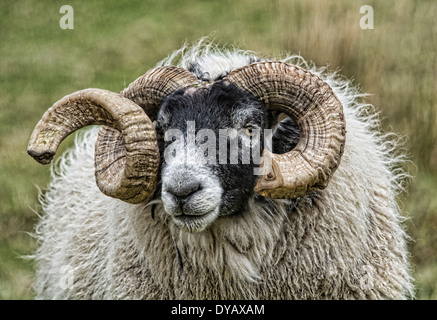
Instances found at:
x=44 y=157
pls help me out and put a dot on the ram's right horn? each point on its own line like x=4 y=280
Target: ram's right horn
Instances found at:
x=136 y=177
x=147 y=91
x=127 y=155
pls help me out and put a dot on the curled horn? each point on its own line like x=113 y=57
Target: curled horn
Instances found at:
x=127 y=155
x=147 y=92
x=312 y=104
x=137 y=175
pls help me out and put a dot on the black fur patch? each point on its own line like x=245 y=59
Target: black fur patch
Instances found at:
x=222 y=106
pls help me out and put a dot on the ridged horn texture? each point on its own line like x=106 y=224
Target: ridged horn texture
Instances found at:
x=135 y=176
x=312 y=104
x=147 y=92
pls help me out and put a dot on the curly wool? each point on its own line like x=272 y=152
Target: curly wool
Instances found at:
x=343 y=242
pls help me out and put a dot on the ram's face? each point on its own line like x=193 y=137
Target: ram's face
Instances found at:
x=210 y=141
x=202 y=155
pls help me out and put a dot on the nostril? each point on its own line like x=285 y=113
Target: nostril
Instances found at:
x=182 y=191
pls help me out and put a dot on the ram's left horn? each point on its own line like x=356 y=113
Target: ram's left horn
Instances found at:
x=313 y=105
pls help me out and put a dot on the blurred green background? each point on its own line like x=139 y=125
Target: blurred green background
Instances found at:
x=114 y=42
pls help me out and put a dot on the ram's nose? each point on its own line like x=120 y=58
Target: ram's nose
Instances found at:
x=181 y=192
x=191 y=196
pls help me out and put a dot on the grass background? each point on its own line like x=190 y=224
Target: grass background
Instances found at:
x=114 y=42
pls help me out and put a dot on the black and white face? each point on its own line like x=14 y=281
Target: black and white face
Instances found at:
x=210 y=143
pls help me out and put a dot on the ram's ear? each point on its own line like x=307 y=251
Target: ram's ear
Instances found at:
x=285 y=135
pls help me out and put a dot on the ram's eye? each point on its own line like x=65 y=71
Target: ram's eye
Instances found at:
x=250 y=131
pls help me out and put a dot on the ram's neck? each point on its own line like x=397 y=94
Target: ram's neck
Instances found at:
x=231 y=252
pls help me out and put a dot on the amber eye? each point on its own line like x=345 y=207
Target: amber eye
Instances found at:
x=250 y=131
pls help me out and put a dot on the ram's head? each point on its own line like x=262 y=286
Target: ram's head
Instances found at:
x=169 y=135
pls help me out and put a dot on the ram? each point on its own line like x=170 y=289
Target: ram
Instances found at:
x=139 y=210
